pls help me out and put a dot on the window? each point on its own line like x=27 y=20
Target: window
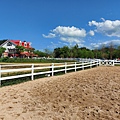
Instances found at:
x=9 y=44
x=25 y=44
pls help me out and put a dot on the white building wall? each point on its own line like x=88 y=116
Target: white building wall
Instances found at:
x=8 y=47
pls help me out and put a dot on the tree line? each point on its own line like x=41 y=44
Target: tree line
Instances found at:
x=105 y=52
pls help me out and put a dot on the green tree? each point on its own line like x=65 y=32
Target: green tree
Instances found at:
x=111 y=50
x=40 y=53
x=90 y=54
x=103 y=52
x=75 y=50
x=118 y=52
x=20 y=49
x=2 y=50
x=95 y=51
x=48 y=52
x=57 y=52
x=65 y=52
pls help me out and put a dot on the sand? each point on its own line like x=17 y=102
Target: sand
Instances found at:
x=92 y=94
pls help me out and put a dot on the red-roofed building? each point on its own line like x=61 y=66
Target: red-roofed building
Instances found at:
x=20 y=43
x=12 y=51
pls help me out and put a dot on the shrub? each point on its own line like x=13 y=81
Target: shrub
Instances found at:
x=25 y=60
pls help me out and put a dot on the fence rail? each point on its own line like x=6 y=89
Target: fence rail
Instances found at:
x=109 y=62
x=49 y=69
x=37 y=69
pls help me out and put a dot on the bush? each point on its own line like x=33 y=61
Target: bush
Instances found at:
x=4 y=59
x=25 y=60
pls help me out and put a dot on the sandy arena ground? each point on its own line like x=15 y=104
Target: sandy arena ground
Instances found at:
x=92 y=94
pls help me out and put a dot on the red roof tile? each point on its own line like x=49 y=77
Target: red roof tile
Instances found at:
x=17 y=42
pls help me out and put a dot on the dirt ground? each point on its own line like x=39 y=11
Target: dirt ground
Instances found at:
x=92 y=94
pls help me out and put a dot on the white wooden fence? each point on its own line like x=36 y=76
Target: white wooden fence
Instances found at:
x=102 y=62
x=37 y=69
x=109 y=62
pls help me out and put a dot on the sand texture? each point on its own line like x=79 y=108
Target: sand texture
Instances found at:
x=92 y=94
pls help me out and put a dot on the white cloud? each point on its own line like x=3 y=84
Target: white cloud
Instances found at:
x=91 y=32
x=54 y=45
x=102 y=19
x=50 y=35
x=107 y=27
x=106 y=43
x=69 y=31
x=67 y=34
x=93 y=23
x=95 y=45
x=70 y=39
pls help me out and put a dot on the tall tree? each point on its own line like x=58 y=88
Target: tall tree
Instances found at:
x=103 y=51
x=48 y=52
x=111 y=49
x=65 y=51
x=57 y=52
x=75 y=50
x=40 y=53
x=96 y=52
x=118 y=52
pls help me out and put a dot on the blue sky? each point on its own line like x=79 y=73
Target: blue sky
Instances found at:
x=49 y=24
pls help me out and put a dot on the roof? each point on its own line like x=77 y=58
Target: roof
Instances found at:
x=17 y=42
x=2 y=41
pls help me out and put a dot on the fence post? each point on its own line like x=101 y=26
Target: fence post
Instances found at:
x=82 y=65
x=52 y=69
x=90 y=64
x=113 y=62
x=32 y=72
x=65 y=67
x=0 y=75
x=75 y=66
x=97 y=63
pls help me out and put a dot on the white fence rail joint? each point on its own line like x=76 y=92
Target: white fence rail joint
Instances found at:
x=0 y=75
x=109 y=62
x=65 y=67
x=32 y=76
x=52 y=69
